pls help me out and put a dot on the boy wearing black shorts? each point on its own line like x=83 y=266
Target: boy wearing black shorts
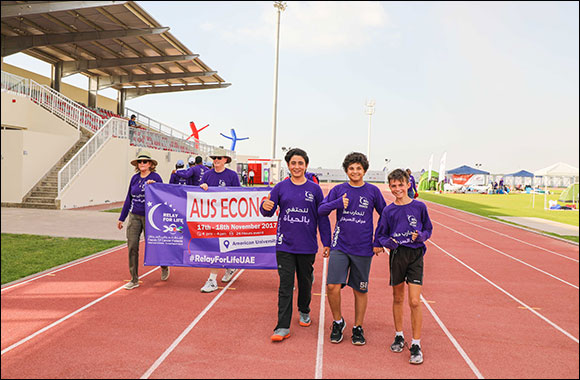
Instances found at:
x=352 y=243
x=403 y=228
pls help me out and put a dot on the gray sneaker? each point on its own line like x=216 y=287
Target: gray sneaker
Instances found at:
x=305 y=320
x=131 y=285
x=416 y=354
x=398 y=344
x=164 y=273
x=210 y=286
x=228 y=275
x=280 y=335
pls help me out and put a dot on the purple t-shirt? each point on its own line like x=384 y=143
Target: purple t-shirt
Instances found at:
x=226 y=178
x=135 y=200
x=193 y=174
x=399 y=222
x=353 y=232
x=175 y=179
x=298 y=218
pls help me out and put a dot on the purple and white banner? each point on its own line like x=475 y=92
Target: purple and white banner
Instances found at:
x=218 y=228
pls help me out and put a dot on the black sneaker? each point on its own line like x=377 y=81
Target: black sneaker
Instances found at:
x=398 y=344
x=337 y=329
x=416 y=354
x=358 y=337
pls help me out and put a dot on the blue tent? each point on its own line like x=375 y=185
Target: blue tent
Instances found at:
x=466 y=170
x=521 y=173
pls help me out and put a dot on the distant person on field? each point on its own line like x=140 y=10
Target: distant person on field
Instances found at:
x=175 y=179
x=134 y=207
x=251 y=176
x=412 y=192
x=352 y=245
x=403 y=228
x=296 y=239
x=219 y=176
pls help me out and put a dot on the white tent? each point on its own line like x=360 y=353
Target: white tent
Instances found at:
x=558 y=169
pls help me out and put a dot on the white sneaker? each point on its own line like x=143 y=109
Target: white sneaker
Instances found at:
x=210 y=286
x=131 y=285
x=228 y=275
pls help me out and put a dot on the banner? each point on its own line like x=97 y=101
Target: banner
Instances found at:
x=442 y=167
x=218 y=228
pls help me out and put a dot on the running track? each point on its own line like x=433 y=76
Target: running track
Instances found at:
x=499 y=302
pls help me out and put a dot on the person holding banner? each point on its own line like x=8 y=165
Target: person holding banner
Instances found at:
x=219 y=175
x=296 y=242
x=352 y=243
x=134 y=208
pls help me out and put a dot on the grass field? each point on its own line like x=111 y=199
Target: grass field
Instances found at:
x=514 y=204
x=23 y=255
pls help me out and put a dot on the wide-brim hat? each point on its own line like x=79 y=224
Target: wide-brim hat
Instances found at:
x=143 y=155
x=220 y=152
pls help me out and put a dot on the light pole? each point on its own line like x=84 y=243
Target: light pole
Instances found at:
x=369 y=110
x=281 y=6
x=387 y=160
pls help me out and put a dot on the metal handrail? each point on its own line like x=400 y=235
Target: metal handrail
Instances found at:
x=114 y=127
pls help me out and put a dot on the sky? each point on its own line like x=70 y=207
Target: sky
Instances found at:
x=490 y=83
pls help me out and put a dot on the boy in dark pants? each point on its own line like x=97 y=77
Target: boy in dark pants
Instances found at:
x=403 y=228
x=296 y=240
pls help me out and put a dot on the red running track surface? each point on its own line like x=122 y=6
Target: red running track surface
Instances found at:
x=502 y=302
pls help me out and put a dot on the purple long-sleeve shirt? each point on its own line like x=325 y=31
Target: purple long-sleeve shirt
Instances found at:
x=399 y=222
x=298 y=219
x=353 y=232
x=135 y=200
x=193 y=174
x=175 y=179
x=226 y=178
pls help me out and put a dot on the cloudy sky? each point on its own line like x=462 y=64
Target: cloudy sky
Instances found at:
x=494 y=83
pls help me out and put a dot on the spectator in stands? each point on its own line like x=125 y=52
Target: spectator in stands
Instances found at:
x=134 y=208
x=132 y=122
x=175 y=179
x=251 y=175
x=219 y=176
x=412 y=191
x=194 y=173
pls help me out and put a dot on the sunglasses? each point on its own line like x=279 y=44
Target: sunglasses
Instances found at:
x=217 y=158
x=143 y=161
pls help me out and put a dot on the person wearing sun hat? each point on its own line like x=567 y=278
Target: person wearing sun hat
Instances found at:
x=134 y=208
x=219 y=176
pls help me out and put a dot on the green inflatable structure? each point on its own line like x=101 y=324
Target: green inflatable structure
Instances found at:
x=428 y=185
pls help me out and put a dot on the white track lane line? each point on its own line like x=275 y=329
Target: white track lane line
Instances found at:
x=69 y=316
x=508 y=236
x=453 y=340
x=182 y=336
x=511 y=257
x=508 y=294
x=77 y=262
x=321 y=322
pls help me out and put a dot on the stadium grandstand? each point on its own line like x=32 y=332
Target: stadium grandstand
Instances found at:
x=65 y=147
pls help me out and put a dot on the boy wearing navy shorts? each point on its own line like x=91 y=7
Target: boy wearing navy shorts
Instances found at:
x=352 y=243
x=403 y=228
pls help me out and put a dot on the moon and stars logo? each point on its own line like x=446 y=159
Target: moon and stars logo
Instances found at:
x=171 y=217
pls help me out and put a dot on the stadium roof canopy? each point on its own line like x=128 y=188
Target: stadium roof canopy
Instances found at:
x=116 y=43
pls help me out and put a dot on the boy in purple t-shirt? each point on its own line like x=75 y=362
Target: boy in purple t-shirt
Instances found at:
x=296 y=244
x=352 y=244
x=403 y=228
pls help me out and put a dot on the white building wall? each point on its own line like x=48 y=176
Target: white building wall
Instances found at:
x=33 y=143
